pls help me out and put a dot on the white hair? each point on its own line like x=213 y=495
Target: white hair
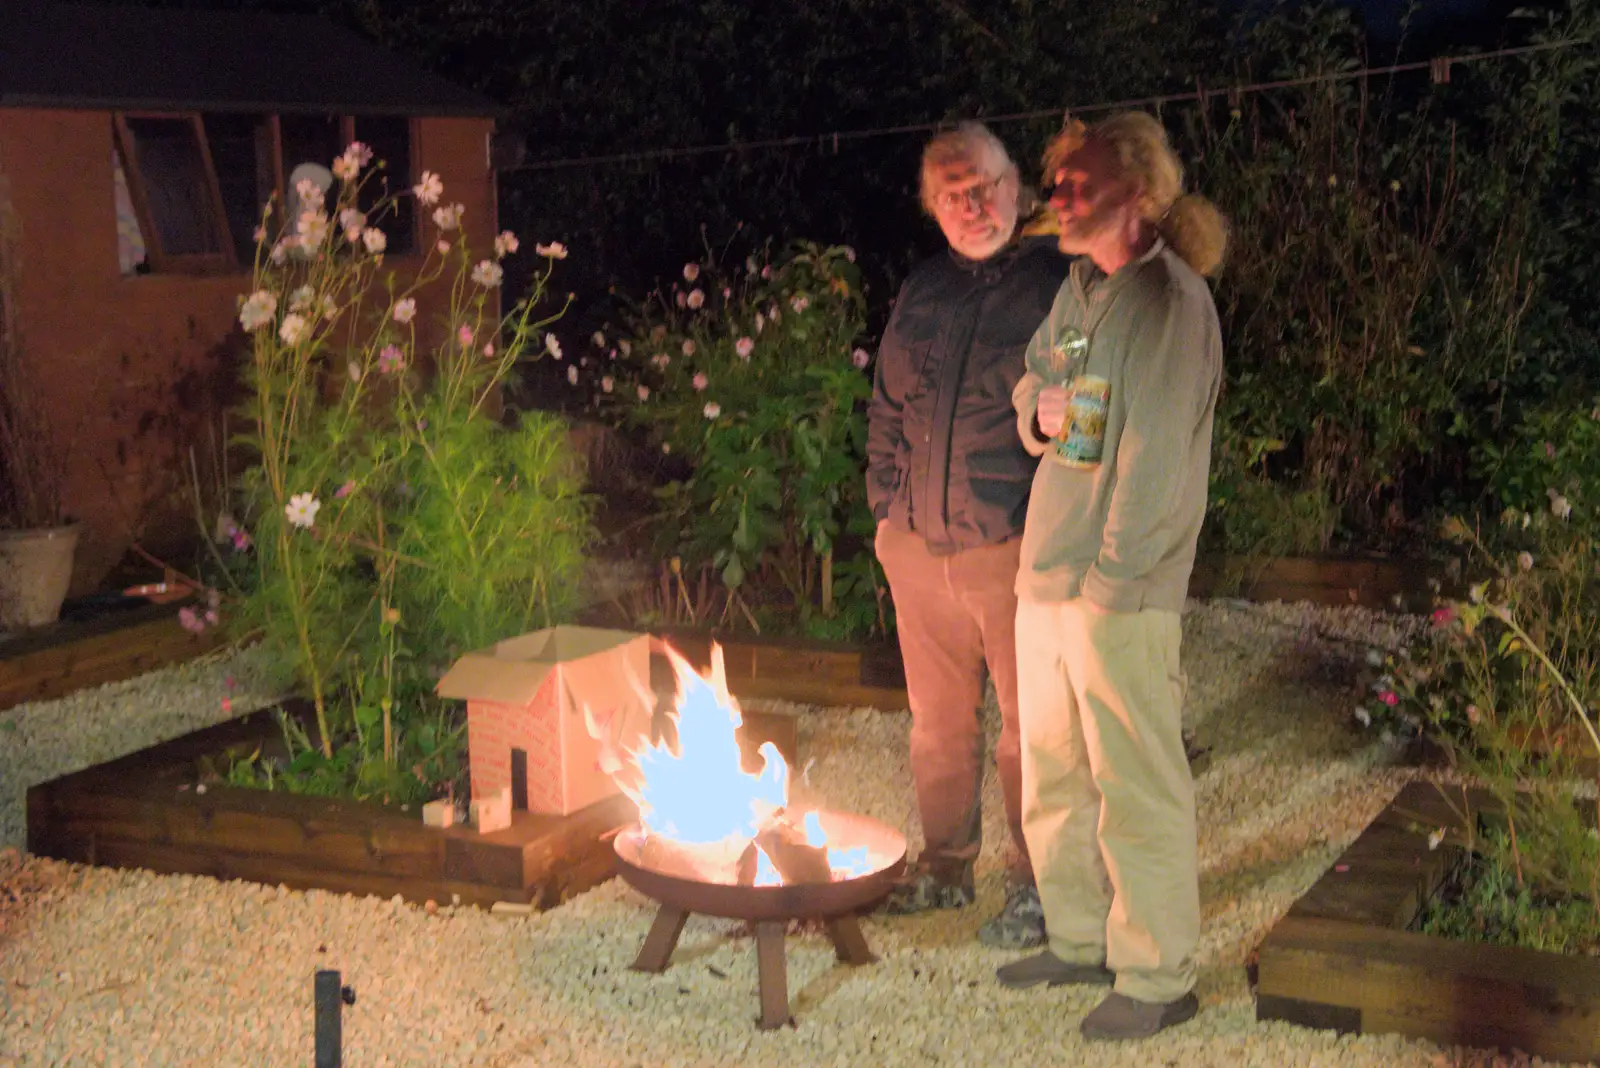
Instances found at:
x=970 y=142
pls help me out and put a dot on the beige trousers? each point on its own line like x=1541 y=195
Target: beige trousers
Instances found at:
x=1107 y=798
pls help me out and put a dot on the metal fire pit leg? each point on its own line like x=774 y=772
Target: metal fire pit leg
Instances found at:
x=662 y=939
x=848 y=941
x=774 y=973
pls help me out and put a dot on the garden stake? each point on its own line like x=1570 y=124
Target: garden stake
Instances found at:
x=330 y=998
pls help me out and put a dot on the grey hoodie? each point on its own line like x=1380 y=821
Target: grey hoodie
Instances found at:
x=1122 y=531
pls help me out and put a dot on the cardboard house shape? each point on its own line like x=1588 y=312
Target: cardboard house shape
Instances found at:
x=137 y=148
x=530 y=701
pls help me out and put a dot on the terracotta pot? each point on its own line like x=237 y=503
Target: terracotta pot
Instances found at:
x=35 y=570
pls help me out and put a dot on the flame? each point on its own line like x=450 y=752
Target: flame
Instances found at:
x=696 y=797
x=844 y=863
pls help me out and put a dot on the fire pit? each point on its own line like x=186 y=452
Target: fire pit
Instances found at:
x=811 y=890
x=716 y=839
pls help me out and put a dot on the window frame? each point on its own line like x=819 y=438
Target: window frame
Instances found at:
x=161 y=261
x=227 y=261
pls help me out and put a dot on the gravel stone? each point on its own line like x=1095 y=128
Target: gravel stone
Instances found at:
x=100 y=966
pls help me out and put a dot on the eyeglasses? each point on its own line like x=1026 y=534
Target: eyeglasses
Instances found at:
x=979 y=196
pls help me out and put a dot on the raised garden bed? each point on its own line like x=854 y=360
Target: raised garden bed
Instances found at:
x=1370 y=582
x=149 y=810
x=802 y=670
x=56 y=660
x=1344 y=958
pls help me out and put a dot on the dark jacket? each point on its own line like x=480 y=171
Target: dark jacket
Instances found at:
x=943 y=456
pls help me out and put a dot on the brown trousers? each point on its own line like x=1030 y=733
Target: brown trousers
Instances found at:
x=956 y=615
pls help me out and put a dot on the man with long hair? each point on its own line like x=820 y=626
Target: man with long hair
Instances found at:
x=1122 y=385
x=948 y=482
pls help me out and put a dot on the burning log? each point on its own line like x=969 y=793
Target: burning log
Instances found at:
x=796 y=860
x=731 y=863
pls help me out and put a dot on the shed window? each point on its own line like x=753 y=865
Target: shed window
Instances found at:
x=191 y=189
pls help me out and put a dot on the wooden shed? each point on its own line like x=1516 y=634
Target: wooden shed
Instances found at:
x=138 y=147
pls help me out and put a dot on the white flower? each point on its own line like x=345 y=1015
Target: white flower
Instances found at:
x=352 y=219
x=301 y=511
x=1375 y=657
x=301 y=298
x=700 y=382
x=355 y=371
x=688 y=348
x=1525 y=561
x=448 y=217
x=430 y=189
x=644 y=393
x=505 y=244
x=1527 y=517
x=552 y=346
x=443 y=247
x=294 y=329
x=712 y=410
x=850 y=254
x=330 y=307
x=555 y=250
x=607 y=383
x=626 y=346
x=691 y=271
x=348 y=166
x=375 y=240
x=312 y=228
x=405 y=310
x=310 y=194
x=750 y=264
x=1559 y=505
x=258 y=310
x=1363 y=716
x=572 y=374
x=487 y=274
x=761 y=322
x=696 y=299
x=1435 y=838
x=800 y=303
x=280 y=251
x=744 y=347
x=599 y=340
x=860 y=357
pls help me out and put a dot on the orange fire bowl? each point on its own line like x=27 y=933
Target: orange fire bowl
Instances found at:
x=886 y=850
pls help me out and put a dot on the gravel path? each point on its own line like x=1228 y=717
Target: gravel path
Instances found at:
x=104 y=967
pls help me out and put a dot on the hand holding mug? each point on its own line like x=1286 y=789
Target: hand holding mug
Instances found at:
x=1052 y=409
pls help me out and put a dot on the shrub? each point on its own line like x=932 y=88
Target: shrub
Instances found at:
x=396 y=519
x=753 y=380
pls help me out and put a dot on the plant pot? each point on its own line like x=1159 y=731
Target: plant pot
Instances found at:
x=35 y=570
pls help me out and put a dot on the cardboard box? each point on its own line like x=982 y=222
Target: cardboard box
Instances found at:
x=528 y=699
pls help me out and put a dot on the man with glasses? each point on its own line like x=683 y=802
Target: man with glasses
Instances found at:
x=948 y=482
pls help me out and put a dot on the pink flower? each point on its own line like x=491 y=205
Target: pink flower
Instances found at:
x=1550 y=450
x=212 y=617
x=241 y=539
x=701 y=381
x=190 y=620
x=744 y=347
x=1443 y=616
x=860 y=357
x=644 y=393
x=712 y=410
x=390 y=360
x=345 y=490
x=1389 y=697
x=227 y=704
x=488 y=351
x=464 y=335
